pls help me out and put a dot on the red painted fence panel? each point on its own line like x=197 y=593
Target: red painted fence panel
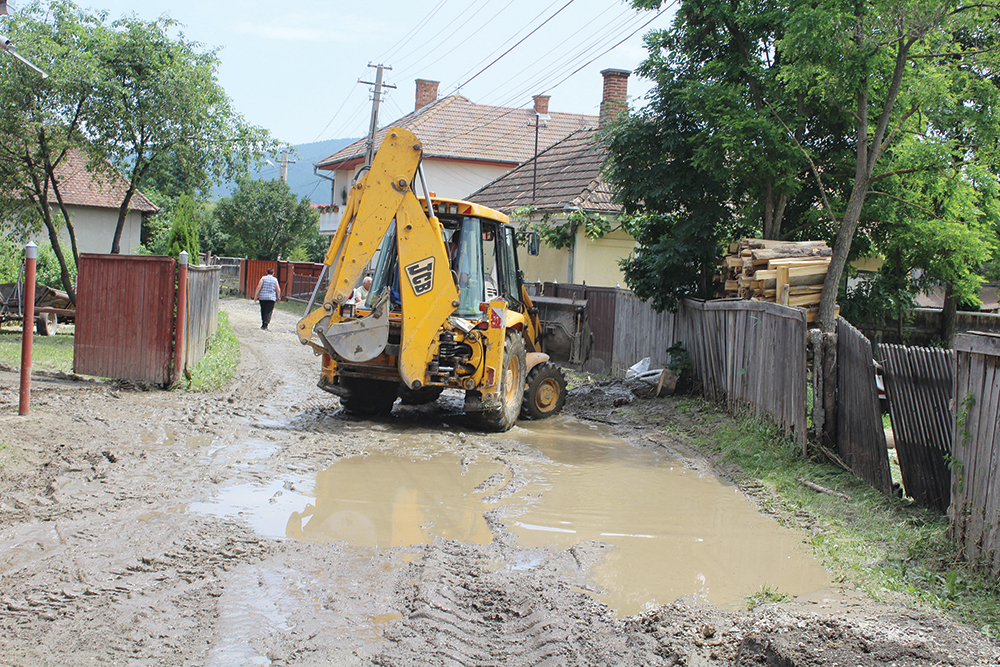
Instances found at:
x=124 y=317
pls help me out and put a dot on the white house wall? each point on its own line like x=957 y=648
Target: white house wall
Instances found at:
x=95 y=230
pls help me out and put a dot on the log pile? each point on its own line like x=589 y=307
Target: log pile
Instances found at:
x=786 y=272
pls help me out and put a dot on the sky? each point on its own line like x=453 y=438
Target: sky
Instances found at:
x=294 y=67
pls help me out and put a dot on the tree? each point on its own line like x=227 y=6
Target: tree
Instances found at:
x=161 y=108
x=137 y=99
x=676 y=208
x=264 y=219
x=184 y=230
x=859 y=89
x=41 y=120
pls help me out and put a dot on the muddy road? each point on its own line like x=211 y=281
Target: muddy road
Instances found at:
x=263 y=526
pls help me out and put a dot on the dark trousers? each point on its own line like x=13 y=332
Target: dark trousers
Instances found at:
x=266 y=308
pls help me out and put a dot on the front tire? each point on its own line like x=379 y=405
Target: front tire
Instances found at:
x=545 y=394
x=503 y=417
x=368 y=398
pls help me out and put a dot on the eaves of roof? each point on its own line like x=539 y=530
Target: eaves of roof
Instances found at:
x=566 y=176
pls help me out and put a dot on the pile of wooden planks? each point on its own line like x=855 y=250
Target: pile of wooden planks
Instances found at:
x=785 y=272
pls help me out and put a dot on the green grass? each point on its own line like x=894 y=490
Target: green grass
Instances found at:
x=887 y=546
x=216 y=369
x=48 y=353
x=764 y=595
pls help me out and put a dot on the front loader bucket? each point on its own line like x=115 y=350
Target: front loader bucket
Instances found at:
x=565 y=331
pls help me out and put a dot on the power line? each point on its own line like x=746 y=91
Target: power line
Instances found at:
x=519 y=42
x=410 y=35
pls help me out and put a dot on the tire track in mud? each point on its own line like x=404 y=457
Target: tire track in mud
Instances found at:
x=460 y=609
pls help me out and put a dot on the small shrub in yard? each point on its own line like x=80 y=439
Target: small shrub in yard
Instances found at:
x=216 y=369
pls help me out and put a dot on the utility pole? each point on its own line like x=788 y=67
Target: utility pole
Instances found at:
x=376 y=98
x=283 y=172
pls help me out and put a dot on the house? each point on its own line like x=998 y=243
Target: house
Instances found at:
x=563 y=181
x=465 y=145
x=92 y=200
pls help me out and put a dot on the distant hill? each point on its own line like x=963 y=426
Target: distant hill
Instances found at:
x=301 y=178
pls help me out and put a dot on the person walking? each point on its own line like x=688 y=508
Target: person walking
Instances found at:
x=268 y=292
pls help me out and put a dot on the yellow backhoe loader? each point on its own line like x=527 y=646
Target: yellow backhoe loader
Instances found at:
x=447 y=307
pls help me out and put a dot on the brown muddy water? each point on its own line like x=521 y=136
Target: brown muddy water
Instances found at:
x=668 y=529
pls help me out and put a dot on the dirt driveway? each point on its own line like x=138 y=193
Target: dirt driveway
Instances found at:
x=157 y=528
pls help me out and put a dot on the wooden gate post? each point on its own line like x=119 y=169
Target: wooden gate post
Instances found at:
x=182 y=273
x=830 y=389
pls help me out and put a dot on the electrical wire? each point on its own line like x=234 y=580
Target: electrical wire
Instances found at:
x=413 y=32
x=519 y=42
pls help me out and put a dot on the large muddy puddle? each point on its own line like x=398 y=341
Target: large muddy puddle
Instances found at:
x=667 y=530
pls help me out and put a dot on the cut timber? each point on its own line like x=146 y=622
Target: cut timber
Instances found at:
x=769 y=243
x=803 y=300
x=798 y=261
x=775 y=253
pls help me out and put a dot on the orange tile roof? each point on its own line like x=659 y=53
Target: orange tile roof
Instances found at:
x=568 y=175
x=453 y=127
x=80 y=187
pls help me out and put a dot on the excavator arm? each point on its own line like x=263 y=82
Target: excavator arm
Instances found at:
x=427 y=289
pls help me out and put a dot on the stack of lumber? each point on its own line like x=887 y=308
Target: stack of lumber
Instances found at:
x=786 y=272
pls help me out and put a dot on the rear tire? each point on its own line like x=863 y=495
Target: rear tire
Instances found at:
x=545 y=394
x=368 y=398
x=511 y=390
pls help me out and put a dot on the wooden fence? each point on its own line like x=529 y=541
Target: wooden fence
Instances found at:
x=639 y=332
x=750 y=354
x=975 y=488
x=919 y=382
x=860 y=435
x=125 y=317
x=202 y=319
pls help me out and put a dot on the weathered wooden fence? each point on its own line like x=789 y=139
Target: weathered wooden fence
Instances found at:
x=919 y=382
x=639 y=332
x=975 y=489
x=202 y=320
x=860 y=434
x=750 y=354
x=125 y=317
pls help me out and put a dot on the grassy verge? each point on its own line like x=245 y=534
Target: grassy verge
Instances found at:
x=216 y=369
x=48 y=353
x=887 y=546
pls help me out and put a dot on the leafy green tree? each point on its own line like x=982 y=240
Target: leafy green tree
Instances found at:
x=184 y=230
x=676 y=208
x=264 y=219
x=137 y=99
x=42 y=119
x=909 y=75
x=864 y=92
x=163 y=113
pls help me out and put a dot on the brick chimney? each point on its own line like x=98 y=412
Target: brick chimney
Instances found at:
x=614 y=99
x=541 y=104
x=427 y=93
